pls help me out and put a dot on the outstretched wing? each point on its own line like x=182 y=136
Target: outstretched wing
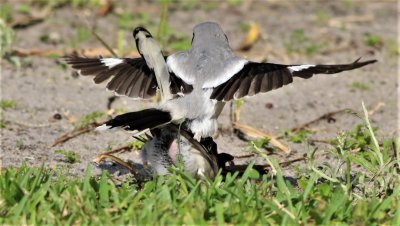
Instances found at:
x=263 y=77
x=130 y=76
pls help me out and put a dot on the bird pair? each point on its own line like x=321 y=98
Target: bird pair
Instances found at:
x=194 y=87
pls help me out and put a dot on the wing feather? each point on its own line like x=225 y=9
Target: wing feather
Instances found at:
x=130 y=76
x=263 y=77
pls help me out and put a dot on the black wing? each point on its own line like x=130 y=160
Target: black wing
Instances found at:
x=138 y=120
x=263 y=77
x=130 y=76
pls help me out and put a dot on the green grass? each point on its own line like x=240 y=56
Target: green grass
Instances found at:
x=5 y=104
x=260 y=143
x=322 y=17
x=299 y=42
x=24 y=9
x=7 y=38
x=373 y=40
x=6 y=12
x=392 y=47
x=89 y=119
x=20 y=144
x=326 y=194
x=297 y=137
x=83 y=35
x=235 y=3
x=180 y=43
x=69 y=156
x=127 y=20
x=136 y=145
x=360 y=86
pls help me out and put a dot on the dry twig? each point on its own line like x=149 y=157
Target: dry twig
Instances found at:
x=252 y=132
x=67 y=136
x=376 y=108
x=263 y=169
x=24 y=21
x=340 y=21
x=327 y=116
x=117 y=160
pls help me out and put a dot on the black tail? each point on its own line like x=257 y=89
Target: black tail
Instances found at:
x=140 y=120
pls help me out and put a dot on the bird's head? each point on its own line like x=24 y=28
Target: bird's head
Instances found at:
x=209 y=34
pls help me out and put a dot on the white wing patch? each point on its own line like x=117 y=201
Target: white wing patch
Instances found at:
x=102 y=128
x=300 y=67
x=226 y=74
x=111 y=62
x=173 y=66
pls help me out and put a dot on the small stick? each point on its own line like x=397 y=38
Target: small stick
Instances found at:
x=287 y=163
x=261 y=168
x=104 y=43
x=118 y=150
x=28 y=20
x=244 y=156
x=338 y=21
x=69 y=135
x=252 y=132
x=319 y=141
x=322 y=117
x=378 y=106
x=117 y=160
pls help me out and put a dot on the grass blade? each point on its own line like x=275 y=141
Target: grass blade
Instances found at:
x=377 y=148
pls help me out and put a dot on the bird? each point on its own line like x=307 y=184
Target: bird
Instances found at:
x=201 y=79
x=171 y=146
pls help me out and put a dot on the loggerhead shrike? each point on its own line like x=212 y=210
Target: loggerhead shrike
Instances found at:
x=171 y=145
x=202 y=78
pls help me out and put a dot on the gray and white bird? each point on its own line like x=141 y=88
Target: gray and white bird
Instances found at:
x=201 y=79
x=171 y=146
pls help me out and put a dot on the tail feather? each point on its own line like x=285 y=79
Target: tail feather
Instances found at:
x=139 y=120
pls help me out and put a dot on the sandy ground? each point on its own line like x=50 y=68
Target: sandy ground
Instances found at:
x=44 y=88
